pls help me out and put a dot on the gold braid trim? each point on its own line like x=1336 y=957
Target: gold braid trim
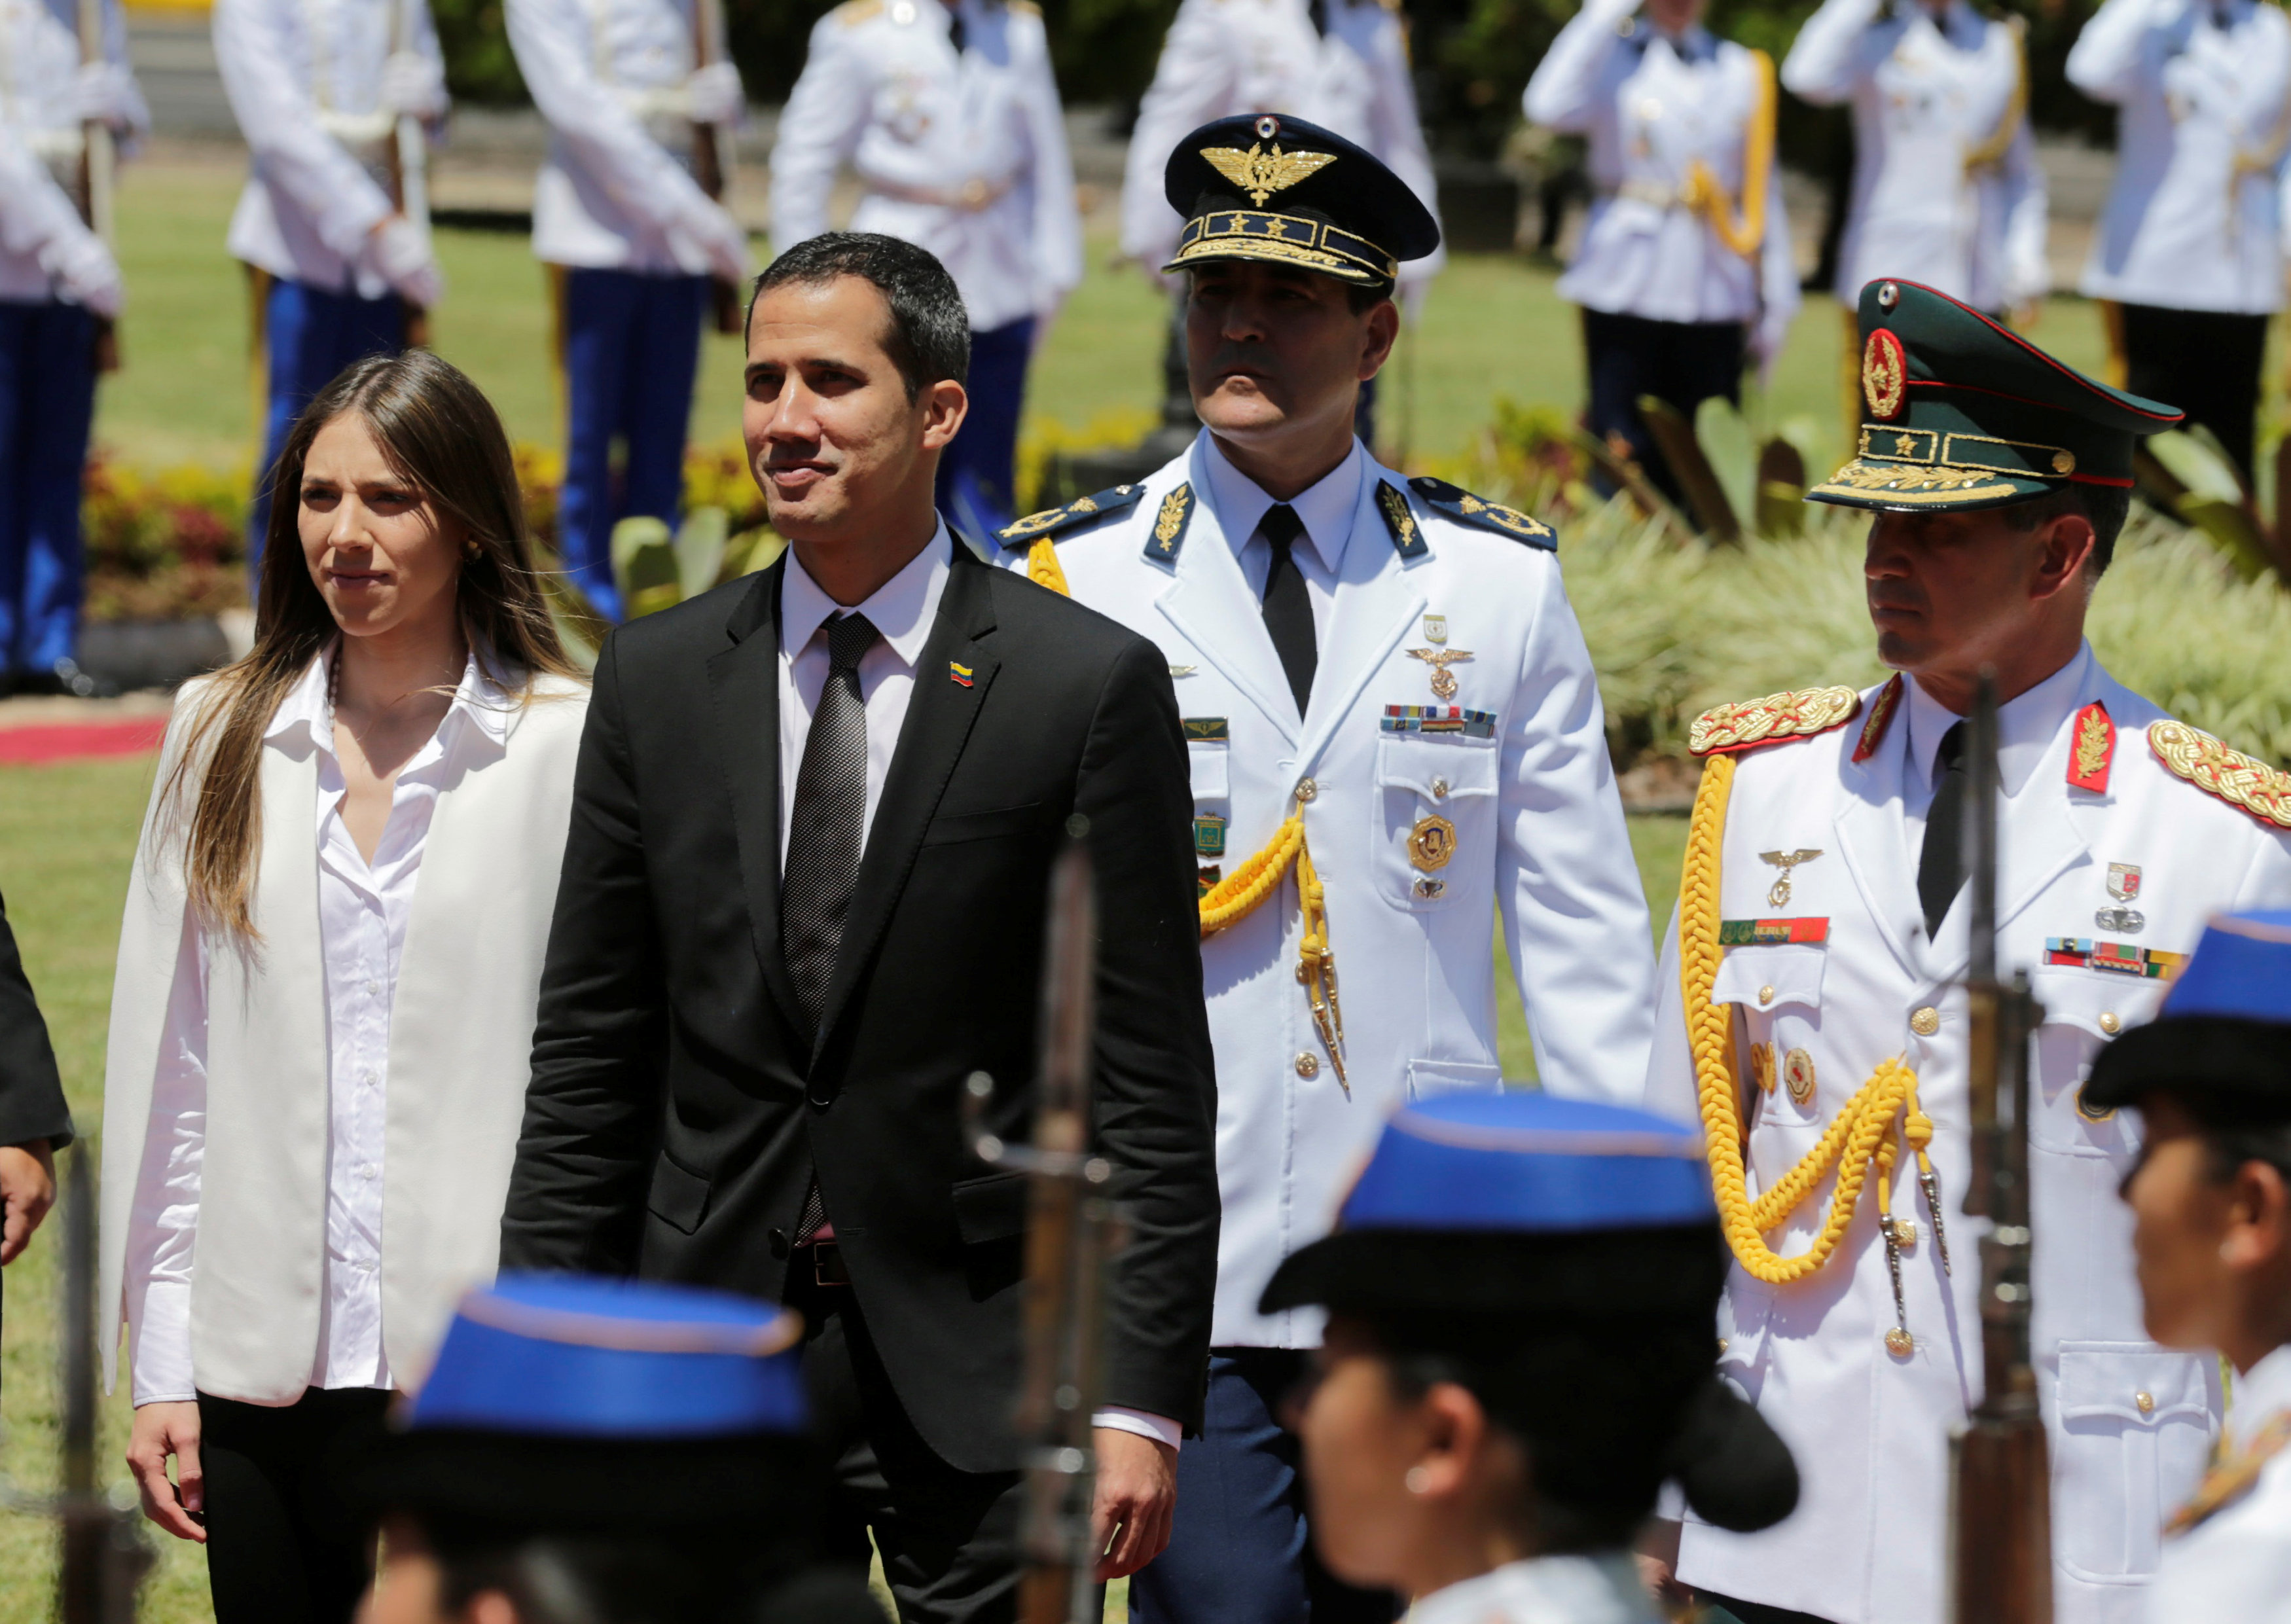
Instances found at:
x=1858 y=1136
x=1992 y=150
x=1703 y=193
x=1043 y=566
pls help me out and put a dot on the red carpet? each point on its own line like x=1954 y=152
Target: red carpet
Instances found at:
x=127 y=735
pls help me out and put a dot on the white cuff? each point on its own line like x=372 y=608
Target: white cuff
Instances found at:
x=1161 y=1429
x=162 y=1344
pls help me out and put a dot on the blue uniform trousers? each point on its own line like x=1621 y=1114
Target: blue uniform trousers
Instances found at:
x=632 y=351
x=978 y=474
x=309 y=336
x=47 y=404
x=1238 y=1547
x=1682 y=363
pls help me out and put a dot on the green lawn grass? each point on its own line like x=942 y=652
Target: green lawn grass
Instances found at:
x=67 y=835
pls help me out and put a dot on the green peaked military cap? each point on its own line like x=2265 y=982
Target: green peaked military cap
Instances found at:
x=1960 y=411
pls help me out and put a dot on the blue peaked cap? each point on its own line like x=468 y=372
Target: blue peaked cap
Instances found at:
x=1533 y=1163
x=2241 y=969
x=561 y=1355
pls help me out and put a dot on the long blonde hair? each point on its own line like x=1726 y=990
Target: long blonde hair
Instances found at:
x=437 y=431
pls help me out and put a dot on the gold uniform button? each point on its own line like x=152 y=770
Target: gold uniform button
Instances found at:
x=2111 y=1023
x=1439 y=789
x=1766 y=995
x=1926 y=1022
x=1307 y=789
x=1308 y=1064
x=2146 y=1401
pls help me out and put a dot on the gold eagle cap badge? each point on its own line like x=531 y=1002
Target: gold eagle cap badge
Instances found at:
x=1261 y=173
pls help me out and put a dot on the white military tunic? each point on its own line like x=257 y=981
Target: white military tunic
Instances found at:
x=965 y=156
x=40 y=141
x=1598 y=1589
x=1652 y=107
x=1223 y=58
x=2236 y=1564
x=2195 y=220
x=1522 y=776
x=1930 y=100
x=305 y=78
x=2131 y=1423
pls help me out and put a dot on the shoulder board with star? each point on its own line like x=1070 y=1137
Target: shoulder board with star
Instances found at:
x=2244 y=782
x=1459 y=504
x=1796 y=714
x=1057 y=521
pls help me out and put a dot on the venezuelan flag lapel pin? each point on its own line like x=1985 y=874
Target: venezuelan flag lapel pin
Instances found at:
x=959 y=674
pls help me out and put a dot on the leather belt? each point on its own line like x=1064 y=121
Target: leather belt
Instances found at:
x=827 y=1267
x=972 y=195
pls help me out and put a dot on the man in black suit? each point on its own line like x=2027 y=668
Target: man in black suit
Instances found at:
x=34 y=1122
x=803 y=900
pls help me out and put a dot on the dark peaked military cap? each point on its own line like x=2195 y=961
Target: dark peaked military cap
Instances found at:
x=1267 y=187
x=1960 y=411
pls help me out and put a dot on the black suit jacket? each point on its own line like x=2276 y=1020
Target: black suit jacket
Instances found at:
x=31 y=1095
x=676 y=1112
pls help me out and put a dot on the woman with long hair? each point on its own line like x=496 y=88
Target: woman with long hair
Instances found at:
x=327 y=970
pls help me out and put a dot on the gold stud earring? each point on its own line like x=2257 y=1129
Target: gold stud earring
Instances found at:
x=472 y=550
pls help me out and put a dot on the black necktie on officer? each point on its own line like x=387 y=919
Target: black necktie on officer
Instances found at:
x=1288 y=611
x=1940 y=866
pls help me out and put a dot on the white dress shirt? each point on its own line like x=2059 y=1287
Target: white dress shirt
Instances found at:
x=2195 y=220
x=304 y=78
x=1652 y=107
x=1602 y=1588
x=2026 y=727
x=964 y=154
x=2236 y=1564
x=40 y=138
x=363 y=909
x=903 y=609
x=1325 y=507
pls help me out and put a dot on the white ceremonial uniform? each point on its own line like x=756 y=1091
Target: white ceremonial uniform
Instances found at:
x=614 y=80
x=1522 y=774
x=45 y=248
x=1653 y=108
x=1596 y=1589
x=965 y=156
x=2195 y=220
x=305 y=82
x=2131 y=1423
x=1937 y=199
x=2236 y=1563
x=1223 y=57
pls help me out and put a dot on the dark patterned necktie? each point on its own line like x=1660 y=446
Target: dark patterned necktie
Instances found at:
x=957 y=34
x=1288 y=611
x=1940 y=866
x=825 y=827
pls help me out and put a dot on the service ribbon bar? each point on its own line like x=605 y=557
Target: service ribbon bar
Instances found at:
x=1440 y=719
x=2121 y=958
x=1768 y=932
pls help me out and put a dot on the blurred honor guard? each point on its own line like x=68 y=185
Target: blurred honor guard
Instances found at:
x=1685 y=268
x=588 y=1452
x=1395 y=732
x=950 y=115
x=1342 y=64
x=2189 y=256
x=631 y=240
x=1946 y=187
x=1518 y=1357
x=2211 y=1203
x=339 y=269
x=1814 y=1013
x=63 y=73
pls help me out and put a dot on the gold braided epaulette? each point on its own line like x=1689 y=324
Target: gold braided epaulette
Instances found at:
x=1724 y=729
x=2242 y=780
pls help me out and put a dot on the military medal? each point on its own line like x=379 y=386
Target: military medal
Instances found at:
x=2124 y=885
x=1778 y=895
x=1432 y=842
x=1762 y=1066
x=1798 y=1076
x=1443 y=680
x=1436 y=627
x=1209 y=835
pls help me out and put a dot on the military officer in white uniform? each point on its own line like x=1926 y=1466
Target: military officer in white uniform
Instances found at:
x=58 y=281
x=950 y=115
x=318 y=87
x=2189 y=255
x=632 y=243
x=1686 y=270
x=1342 y=64
x=1396 y=733
x=1946 y=187
x=1814 y=972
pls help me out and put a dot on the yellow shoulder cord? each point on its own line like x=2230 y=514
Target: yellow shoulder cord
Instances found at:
x=1707 y=197
x=1992 y=150
x=1861 y=1135
x=2249 y=164
x=1242 y=892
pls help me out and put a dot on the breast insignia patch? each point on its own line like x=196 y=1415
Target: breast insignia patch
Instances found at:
x=1057 y=521
x=1723 y=730
x=1461 y=505
x=2236 y=778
